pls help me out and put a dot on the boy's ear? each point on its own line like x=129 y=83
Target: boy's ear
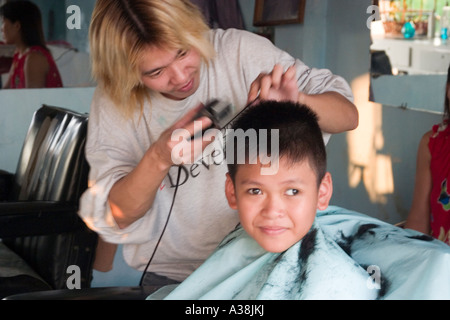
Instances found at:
x=325 y=192
x=230 y=193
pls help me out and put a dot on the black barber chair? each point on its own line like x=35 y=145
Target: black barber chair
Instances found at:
x=41 y=233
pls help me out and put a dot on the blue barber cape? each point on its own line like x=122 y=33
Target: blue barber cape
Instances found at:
x=345 y=255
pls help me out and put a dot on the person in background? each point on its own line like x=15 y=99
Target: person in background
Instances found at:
x=430 y=209
x=156 y=62
x=33 y=65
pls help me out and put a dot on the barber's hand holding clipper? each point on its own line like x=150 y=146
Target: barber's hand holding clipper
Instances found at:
x=134 y=194
x=176 y=145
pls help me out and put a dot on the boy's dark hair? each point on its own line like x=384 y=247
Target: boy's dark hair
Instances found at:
x=300 y=136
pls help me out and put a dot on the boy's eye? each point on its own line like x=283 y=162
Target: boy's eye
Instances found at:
x=292 y=192
x=254 y=191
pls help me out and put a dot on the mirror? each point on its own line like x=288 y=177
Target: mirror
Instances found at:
x=66 y=29
x=409 y=59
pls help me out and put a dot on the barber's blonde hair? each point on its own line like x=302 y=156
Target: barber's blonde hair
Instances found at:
x=121 y=30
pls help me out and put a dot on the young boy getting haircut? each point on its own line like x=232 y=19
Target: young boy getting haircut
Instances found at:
x=278 y=208
x=276 y=252
x=277 y=181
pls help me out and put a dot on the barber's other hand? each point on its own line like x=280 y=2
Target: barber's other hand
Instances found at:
x=277 y=85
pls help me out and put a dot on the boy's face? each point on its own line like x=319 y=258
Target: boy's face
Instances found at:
x=278 y=210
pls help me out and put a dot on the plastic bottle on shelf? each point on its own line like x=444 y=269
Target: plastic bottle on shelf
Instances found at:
x=445 y=22
x=408 y=30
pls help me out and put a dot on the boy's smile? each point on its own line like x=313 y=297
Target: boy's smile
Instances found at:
x=278 y=210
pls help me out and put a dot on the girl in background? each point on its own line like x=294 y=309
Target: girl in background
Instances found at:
x=33 y=65
x=430 y=210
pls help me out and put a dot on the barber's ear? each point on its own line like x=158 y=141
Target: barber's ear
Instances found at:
x=325 y=192
x=230 y=193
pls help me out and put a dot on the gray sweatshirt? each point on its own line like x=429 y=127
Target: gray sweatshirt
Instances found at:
x=200 y=217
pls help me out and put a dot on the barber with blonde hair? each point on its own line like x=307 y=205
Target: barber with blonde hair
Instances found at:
x=156 y=62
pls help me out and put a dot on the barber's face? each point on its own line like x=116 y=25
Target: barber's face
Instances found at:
x=173 y=73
